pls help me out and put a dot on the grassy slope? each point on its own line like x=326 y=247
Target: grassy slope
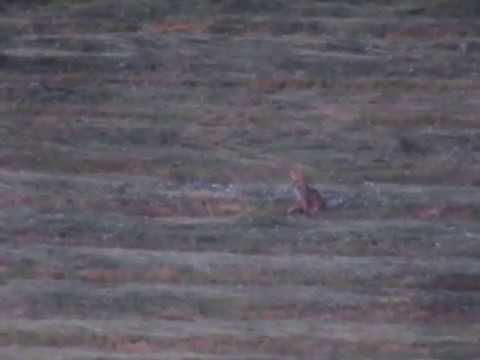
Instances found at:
x=143 y=163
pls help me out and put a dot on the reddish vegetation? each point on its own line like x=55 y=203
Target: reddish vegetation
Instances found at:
x=133 y=347
x=176 y=315
x=4 y=268
x=399 y=348
x=12 y=199
x=427 y=32
x=178 y=26
x=457 y=282
x=444 y=212
x=376 y=312
x=257 y=29
x=29 y=237
x=165 y=273
x=43 y=272
x=334 y=112
x=104 y=276
x=55 y=114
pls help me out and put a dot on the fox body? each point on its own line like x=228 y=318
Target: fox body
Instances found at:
x=307 y=199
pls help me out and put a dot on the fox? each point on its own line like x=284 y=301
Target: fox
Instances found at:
x=308 y=200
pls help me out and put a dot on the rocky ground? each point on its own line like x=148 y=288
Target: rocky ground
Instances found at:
x=144 y=152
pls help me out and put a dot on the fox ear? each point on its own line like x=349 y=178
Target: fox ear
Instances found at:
x=298 y=171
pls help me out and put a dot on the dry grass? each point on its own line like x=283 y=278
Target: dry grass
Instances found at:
x=143 y=180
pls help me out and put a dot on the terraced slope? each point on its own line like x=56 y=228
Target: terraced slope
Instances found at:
x=144 y=154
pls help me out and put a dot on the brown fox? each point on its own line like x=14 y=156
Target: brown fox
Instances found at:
x=308 y=200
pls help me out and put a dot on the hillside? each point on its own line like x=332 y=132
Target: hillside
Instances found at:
x=145 y=149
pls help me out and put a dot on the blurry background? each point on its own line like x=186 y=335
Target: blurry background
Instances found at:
x=144 y=153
